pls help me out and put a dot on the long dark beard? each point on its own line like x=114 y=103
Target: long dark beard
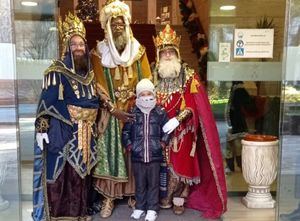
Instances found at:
x=121 y=41
x=80 y=63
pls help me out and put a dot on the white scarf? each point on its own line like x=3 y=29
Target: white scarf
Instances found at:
x=110 y=56
x=146 y=103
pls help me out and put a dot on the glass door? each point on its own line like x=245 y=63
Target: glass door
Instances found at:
x=36 y=45
x=10 y=206
x=289 y=174
x=244 y=76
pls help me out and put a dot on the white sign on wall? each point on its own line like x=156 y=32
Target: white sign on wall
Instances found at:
x=253 y=43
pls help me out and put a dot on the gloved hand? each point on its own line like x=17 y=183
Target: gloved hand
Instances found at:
x=171 y=125
x=40 y=138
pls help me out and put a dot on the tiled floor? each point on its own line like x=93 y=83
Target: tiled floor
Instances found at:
x=236 y=212
x=235 y=182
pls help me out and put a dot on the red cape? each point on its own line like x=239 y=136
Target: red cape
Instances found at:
x=210 y=196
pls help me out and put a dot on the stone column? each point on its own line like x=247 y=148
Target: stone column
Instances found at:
x=259 y=163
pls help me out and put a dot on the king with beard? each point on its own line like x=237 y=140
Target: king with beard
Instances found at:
x=119 y=62
x=65 y=145
x=194 y=160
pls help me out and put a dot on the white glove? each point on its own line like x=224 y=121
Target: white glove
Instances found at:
x=171 y=125
x=40 y=138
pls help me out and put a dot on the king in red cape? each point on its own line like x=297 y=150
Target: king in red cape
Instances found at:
x=194 y=172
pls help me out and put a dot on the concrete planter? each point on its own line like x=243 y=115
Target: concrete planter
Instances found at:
x=259 y=163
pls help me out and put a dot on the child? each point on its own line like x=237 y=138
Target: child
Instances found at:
x=144 y=138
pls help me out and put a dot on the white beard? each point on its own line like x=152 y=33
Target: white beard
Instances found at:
x=121 y=41
x=169 y=68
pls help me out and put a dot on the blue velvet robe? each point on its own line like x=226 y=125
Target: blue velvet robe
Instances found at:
x=62 y=133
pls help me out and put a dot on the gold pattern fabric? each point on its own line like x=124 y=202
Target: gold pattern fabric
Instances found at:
x=124 y=94
x=59 y=67
x=118 y=182
x=85 y=119
x=42 y=125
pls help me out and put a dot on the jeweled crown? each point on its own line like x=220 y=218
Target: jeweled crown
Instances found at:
x=70 y=27
x=167 y=37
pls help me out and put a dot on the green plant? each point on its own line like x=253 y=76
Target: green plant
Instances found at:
x=265 y=22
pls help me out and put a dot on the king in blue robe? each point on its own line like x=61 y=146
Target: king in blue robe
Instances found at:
x=65 y=147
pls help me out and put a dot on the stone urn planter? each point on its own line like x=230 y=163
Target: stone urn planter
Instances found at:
x=259 y=163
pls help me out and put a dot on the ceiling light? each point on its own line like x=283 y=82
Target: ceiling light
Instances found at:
x=227 y=7
x=29 y=3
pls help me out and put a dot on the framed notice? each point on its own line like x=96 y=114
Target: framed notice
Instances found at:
x=253 y=43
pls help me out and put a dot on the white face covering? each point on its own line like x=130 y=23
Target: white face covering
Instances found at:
x=146 y=103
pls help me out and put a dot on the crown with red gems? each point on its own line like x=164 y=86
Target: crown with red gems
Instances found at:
x=166 y=37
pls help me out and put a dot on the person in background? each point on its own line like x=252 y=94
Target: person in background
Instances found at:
x=239 y=104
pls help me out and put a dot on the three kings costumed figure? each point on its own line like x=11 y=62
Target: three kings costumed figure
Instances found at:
x=65 y=144
x=119 y=62
x=194 y=159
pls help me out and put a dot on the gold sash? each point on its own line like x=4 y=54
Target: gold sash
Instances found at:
x=85 y=118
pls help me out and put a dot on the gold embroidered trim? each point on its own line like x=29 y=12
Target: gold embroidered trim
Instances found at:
x=66 y=218
x=212 y=165
x=113 y=178
x=59 y=66
x=164 y=96
x=110 y=196
x=44 y=183
x=123 y=93
x=51 y=111
x=184 y=179
x=85 y=118
x=140 y=53
x=42 y=125
x=184 y=115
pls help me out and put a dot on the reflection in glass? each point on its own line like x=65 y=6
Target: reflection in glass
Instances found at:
x=9 y=162
x=289 y=188
x=245 y=92
x=36 y=45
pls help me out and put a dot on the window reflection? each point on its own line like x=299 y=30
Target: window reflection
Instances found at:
x=36 y=45
x=258 y=88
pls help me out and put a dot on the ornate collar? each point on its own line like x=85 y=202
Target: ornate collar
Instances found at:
x=59 y=66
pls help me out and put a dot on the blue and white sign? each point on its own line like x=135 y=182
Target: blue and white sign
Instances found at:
x=253 y=43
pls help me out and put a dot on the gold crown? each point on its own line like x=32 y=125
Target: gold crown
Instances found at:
x=166 y=37
x=70 y=27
